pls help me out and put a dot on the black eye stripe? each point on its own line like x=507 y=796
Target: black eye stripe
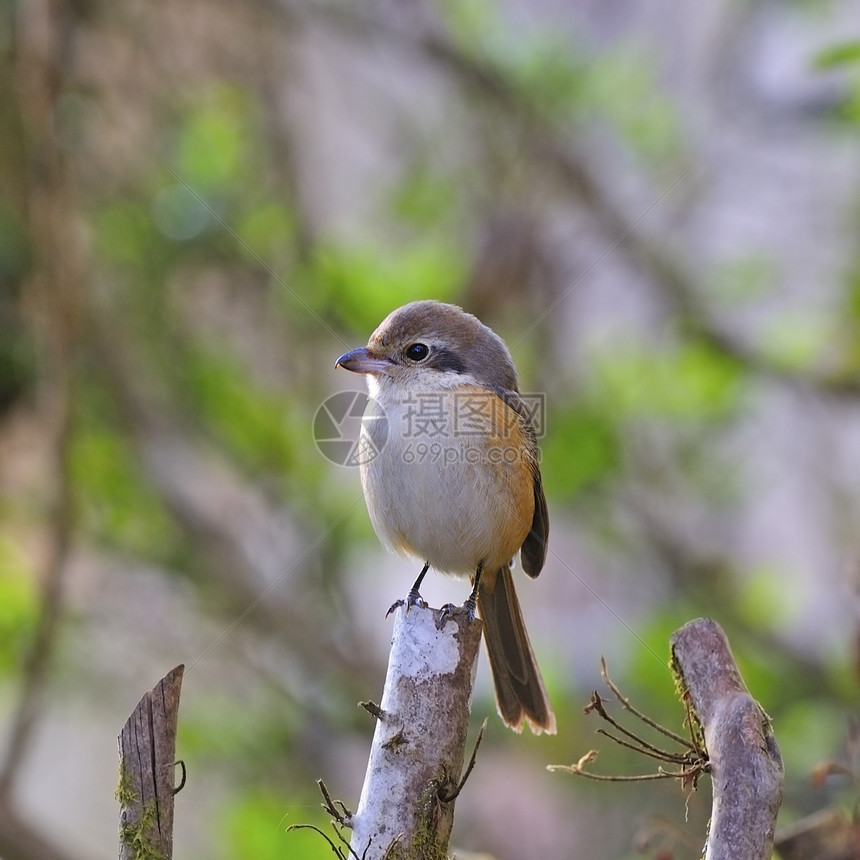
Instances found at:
x=445 y=359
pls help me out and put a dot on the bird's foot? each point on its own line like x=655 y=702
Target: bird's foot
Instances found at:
x=414 y=598
x=449 y=610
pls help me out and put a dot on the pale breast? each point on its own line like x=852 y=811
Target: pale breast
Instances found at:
x=452 y=484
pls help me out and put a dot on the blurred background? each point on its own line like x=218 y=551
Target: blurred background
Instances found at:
x=656 y=205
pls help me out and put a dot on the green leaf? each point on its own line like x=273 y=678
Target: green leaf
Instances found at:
x=256 y=829
x=810 y=732
x=123 y=232
x=744 y=278
x=581 y=447
x=688 y=383
x=840 y=54
x=114 y=501
x=765 y=603
x=18 y=603
x=621 y=87
x=471 y=21
x=649 y=642
x=794 y=341
x=550 y=73
x=362 y=285
x=267 y=228
x=255 y=425
x=542 y=64
x=14 y=246
x=216 y=142
x=424 y=198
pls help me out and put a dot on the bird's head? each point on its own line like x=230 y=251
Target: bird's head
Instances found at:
x=431 y=345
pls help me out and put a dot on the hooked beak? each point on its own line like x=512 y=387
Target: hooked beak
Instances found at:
x=362 y=360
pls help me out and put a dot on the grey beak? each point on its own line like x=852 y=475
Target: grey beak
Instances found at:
x=362 y=360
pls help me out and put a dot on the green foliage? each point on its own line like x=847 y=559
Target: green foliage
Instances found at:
x=257 y=427
x=844 y=58
x=123 y=231
x=255 y=828
x=14 y=250
x=18 y=354
x=18 y=360
x=763 y=601
x=542 y=65
x=840 y=673
x=621 y=88
x=361 y=285
x=139 y=835
x=472 y=21
x=550 y=74
x=424 y=198
x=115 y=503
x=810 y=732
x=764 y=669
x=218 y=141
x=688 y=383
x=580 y=449
x=744 y=278
x=840 y=54
x=650 y=655
x=240 y=732
x=18 y=603
x=794 y=341
x=215 y=191
x=688 y=388
x=266 y=227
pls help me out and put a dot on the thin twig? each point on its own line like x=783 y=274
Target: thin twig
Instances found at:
x=660 y=755
x=343 y=815
x=625 y=703
x=335 y=850
x=469 y=767
x=373 y=709
x=389 y=852
x=693 y=761
x=596 y=704
x=340 y=819
x=578 y=769
x=53 y=289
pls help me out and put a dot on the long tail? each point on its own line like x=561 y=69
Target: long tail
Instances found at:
x=520 y=694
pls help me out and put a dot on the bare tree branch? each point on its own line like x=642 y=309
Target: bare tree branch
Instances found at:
x=147 y=754
x=745 y=764
x=54 y=287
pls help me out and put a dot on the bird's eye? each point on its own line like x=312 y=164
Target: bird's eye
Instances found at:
x=417 y=351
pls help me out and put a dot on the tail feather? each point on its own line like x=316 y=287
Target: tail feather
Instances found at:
x=520 y=694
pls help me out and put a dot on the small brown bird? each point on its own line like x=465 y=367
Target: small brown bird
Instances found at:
x=456 y=481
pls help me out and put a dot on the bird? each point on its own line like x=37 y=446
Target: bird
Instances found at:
x=454 y=479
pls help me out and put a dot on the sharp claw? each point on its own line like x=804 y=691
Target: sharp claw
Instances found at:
x=412 y=599
x=395 y=605
x=449 y=610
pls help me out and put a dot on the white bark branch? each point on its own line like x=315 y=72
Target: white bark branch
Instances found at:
x=419 y=743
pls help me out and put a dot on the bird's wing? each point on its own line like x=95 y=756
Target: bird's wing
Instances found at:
x=533 y=552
